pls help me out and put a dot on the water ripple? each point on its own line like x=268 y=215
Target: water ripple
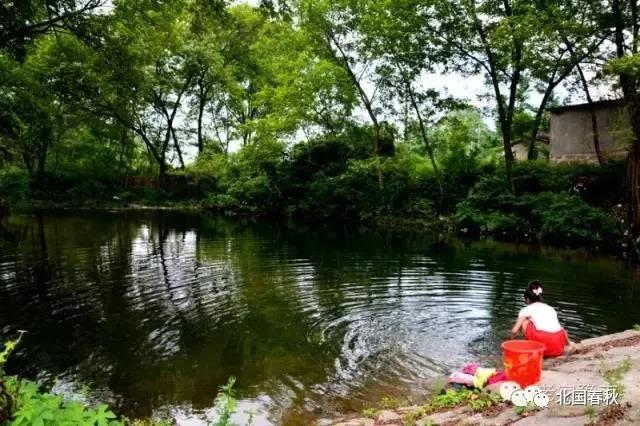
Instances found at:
x=161 y=313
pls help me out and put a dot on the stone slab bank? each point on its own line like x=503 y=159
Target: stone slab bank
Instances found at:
x=585 y=364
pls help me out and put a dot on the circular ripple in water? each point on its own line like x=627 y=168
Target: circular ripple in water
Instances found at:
x=156 y=312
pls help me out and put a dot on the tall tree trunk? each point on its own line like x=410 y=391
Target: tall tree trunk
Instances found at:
x=344 y=61
x=594 y=117
x=28 y=163
x=176 y=144
x=42 y=160
x=425 y=138
x=516 y=58
x=405 y=121
x=376 y=152
x=170 y=117
x=505 y=116
x=633 y=164
x=531 y=154
x=42 y=163
x=633 y=104
x=157 y=156
x=139 y=130
x=200 y=115
x=162 y=175
x=626 y=81
x=557 y=77
x=123 y=146
x=505 y=129
x=203 y=93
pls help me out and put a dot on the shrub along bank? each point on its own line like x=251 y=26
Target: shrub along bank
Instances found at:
x=337 y=179
x=557 y=205
x=25 y=403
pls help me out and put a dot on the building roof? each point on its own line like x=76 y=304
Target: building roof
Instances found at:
x=541 y=137
x=607 y=103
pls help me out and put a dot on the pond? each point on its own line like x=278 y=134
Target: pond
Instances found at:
x=153 y=311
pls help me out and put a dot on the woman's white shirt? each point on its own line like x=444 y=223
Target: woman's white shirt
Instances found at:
x=543 y=316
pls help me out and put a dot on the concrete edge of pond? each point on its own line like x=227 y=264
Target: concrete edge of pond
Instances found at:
x=592 y=363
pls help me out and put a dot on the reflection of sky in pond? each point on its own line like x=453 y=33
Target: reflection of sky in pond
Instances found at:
x=155 y=311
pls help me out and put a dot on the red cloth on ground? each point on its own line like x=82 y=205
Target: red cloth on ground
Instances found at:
x=554 y=342
x=498 y=377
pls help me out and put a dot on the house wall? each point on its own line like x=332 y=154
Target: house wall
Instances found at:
x=571 y=136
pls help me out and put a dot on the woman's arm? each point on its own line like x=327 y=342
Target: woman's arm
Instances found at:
x=518 y=325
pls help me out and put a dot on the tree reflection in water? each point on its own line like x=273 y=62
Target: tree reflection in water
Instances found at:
x=156 y=310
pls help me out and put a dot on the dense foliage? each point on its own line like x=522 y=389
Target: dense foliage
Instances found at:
x=551 y=205
x=327 y=110
x=24 y=402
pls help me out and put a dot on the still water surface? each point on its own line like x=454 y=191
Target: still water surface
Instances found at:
x=154 y=311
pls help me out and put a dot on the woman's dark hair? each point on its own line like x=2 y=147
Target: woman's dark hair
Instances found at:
x=533 y=293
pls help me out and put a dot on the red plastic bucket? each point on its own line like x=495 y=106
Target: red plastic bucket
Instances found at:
x=523 y=361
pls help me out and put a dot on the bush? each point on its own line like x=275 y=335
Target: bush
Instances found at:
x=188 y=184
x=352 y=191
x=148 y=196
x=554 y=204
x=552 y=218
x=254 y=193
x=33 y=407
x=14 y=185
x=318 y=183
x=88 y=190
x=567 y=219
x=249 y=180
x=598 y=185
x=475 y=221
x=23 y=402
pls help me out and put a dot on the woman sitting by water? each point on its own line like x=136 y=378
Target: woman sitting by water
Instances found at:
x=539 y=322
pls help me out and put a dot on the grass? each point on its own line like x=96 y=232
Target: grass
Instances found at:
x=481 y=401
x=590 y=411
x=387 y=403
x=370 y=413
x=521 y=411
x=475 y=400
x=615 y=376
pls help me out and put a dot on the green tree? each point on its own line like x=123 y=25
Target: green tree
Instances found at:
x=229 y=78
x=138 y=75
x=35 y=114
x=306 y=88
x=569 y=37
x=513 y=43
x=22 y=21
x=623 y=19
x=392 y=36
x=206 y=45
x=333 y=29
